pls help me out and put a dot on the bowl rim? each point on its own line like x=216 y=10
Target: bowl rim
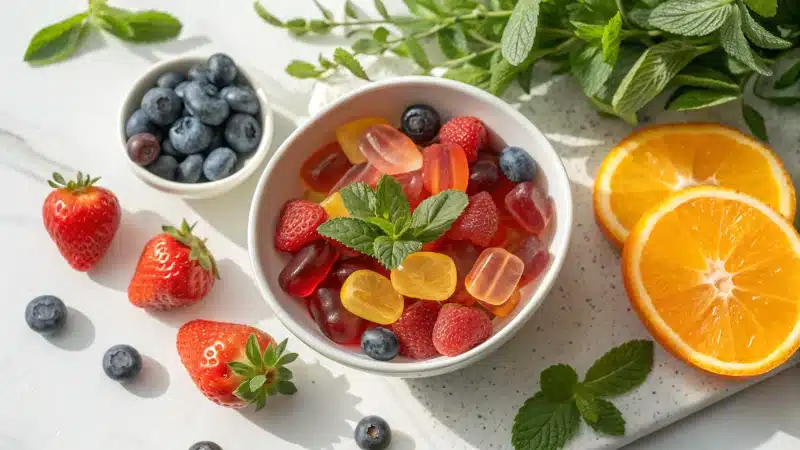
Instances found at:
x=248 y=168
x=428 y=367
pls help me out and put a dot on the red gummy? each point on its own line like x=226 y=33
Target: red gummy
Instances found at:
x=337 y=323
x=499 y=192
x=460 y=328
x=500 y=238
x=530 y=207
x=464 y=255
x=445 y=166
x=413 y=187
x=478 y=223
x=324 y=168
x=533 y=252
x=344 y=251
x=433 y=246
x=343 y=269
x=414 y=329
x=298 y=224
x=364 y=172
x=483 y=176
x=466 y=131
x=307 y=268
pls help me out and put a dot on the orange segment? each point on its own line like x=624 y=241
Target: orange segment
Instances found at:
x=655 y=162
x=715 y=276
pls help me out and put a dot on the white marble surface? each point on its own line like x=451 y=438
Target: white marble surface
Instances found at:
x=55 y=395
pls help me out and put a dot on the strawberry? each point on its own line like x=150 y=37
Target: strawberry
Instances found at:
x=81 y=219
x=478 y=223
x=414 y=329
x=298 y=224
x=460 y=328
x=234 y=365
x=175 y=269
x=466 y=131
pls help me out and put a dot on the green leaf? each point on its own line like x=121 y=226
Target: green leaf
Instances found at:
x=621 y=369
x=302 y=69
x=113 y=23
x=349 y=61
x=422 y=8
x=640 y=17
x=690 y=17
x=543 y=424
x=469 y=74
x=270 y=356
x=368 y=46
x=687 y=99
x=609 y=419
x=400 y=49
x=417 y=53
x=319 y=26
x=284 y=373
x=264 y=14
x=765 y=8
x=589 y=68
x=241 y=369
x=297 y=26
x=253 y=352
x=261 y=399
x=735 y=44
x=326 y=13
x=381 y=34
x=243 y=391
x=525 y=79
x=759 y=35
x=789 y=77
x=56 y=42
x=325 y=63
x=391 y=253
x=651 y=73
x=611 y=39
x=281 y=347
x=257 y=381
x=520 y=31
x=587 y=404
x=755 y=121
x=151 y=26
x=391 y=203
x=589 y=32
x=350 y=10
x=385 y=226
x=558 y=381
x=453 y=42
x=606 y=109
x=701 y=76
x=286 y=359
x=435 y=214
x=502 y=73
x=381 y=8
x=286 y=388
x=354 y=233
x=359 y=199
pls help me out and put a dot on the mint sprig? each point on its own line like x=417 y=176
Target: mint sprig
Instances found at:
x=381 y=224
x=549 y=419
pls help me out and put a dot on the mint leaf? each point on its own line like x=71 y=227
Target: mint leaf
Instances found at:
x=544 y=424
x=114 y=23
x=368 y=46
x=56 y=42
x=302 y=69
x=453 y=42
x=348 y=61
x=766 y=8
x=381 y=34
x=755 y=121
x=558 y=381
x=789 y=77
x=690 y=17
x=391 y=253
x=589 y=32
x=391 y=203
x=350 y=10
x=759 y=35
x=435 y=214
x=417 y=53
x=266 y=15
x=473 y=75
x=735 y=44
x=589 y=68
x=621 y=369
x=385 y=226
x=326 y=13
x=609 y=419
x=359 y=199
x=612 y=37
x=699 y=76
x=687 y=99
x=381 y=8
x=520 y=31
x=149 y=26
x=604 y=108
x=354 y=233
x=587 y=404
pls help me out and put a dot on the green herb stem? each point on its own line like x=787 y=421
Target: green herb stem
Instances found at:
x=465 y=59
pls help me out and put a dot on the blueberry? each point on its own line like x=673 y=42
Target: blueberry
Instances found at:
x=162 y=105
x=164 y=167
x=190 y=169
x=138 y=122
x=380 y=343
x=180 y=89
x=219 y=138
x=168 y=149
x=421 y=123
x=517 y=165
x=143 y=148
x=219 y=163
x=122 y=363
x=373 y=433
x=170 y=80
x=203 y=101
x=243 y=132
x=241 y=99
x=198 y=72
x=46 y=314
x=205 y=445
x=221 y=69
x=189 y=135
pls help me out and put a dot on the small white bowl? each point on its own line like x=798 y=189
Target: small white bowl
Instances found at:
x=246 y=164
x=388 y=99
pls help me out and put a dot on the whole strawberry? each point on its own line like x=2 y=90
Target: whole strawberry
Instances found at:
x=81 y=218
x=234 y=365
x=460 y=328
x=466 y=131
x=297 y=225
x=175 y=269
x=414 y=329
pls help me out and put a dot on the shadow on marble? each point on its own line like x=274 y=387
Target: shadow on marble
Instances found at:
x=152 y=382
x=172 y=48
x=322 y=402
x=94 y=40
x=402 y=441
x=78 y=332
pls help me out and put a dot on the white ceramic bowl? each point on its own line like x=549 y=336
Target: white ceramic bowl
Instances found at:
x=246 y=164
x=388 y=99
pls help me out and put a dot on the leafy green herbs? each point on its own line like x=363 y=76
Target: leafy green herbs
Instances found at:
x=623 y=53
x=59 y=41
x=381 y=224
x=549 y=419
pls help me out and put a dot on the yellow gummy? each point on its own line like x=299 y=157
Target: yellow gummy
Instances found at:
x=313 y=196
x=334 y=206
x=426 y=275
x=350 y=133
x=370 y=295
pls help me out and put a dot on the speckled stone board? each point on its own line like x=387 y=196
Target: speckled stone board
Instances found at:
x=587 y=311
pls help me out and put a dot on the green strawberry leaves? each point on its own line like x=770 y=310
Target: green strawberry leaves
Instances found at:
x=264 y=372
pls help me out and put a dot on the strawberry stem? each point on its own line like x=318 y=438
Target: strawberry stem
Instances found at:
x=199 y=252
x=264 y=373
x=74 y=186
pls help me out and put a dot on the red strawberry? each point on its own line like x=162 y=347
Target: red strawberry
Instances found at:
x=466 y=131
x=175 y=269
x=234 y=365
x=298 y=225
x=478 y=223
x=414 y=329
x=81 y=218
x=460 y=328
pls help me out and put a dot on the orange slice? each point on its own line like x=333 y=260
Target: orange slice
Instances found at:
x=715 y=276
x=655 y=162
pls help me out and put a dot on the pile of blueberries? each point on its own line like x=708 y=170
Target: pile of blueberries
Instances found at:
x=193 y=127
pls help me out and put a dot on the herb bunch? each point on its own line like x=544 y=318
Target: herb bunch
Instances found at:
x=622 y=53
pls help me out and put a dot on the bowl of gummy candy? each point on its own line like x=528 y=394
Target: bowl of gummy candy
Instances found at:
x=195 y=126
x=411 y=227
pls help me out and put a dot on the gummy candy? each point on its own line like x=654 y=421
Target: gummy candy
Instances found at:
x=464 y=256
x=324 y=168
x=530 y=207
x=343 y=269
x=533 y=253
x=334 y=206
x=504 y=309
x=370 y=295
x=360 y=172
x=426 y=275
x=483 y=176
x=389 y=150
x=478 y=223
x=307 y=268
x=412 y=187
x=340 y=325
x=314 y=196
x=350 y=133
x=445 y=167
x=494 y=276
